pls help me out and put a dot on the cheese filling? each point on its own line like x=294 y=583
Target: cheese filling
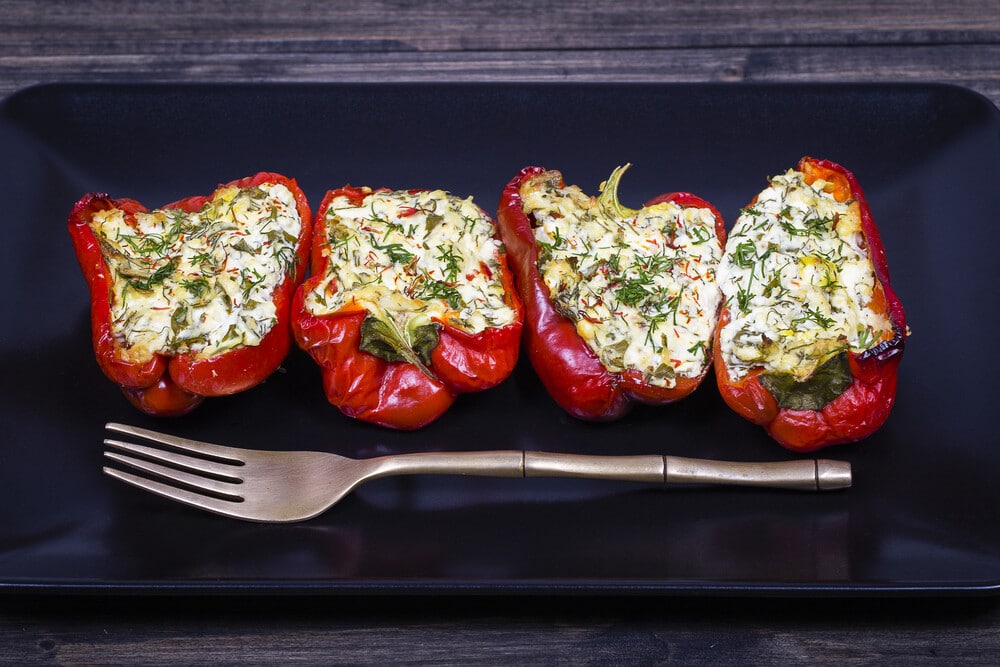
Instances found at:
x=640 y=288
x=416 y=257
x=798 y=282
x=198 y=283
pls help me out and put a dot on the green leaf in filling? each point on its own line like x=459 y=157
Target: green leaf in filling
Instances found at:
x=828 y=381
x=383 y=338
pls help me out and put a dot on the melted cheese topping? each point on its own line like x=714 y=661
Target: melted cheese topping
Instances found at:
x=201 y=282
x=415 y=256
x=798 y=281
x=640 y=289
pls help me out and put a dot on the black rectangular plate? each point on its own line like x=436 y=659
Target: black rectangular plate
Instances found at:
x=919 y=520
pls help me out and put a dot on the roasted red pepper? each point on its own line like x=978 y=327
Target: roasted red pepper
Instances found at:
x=192 y=266
x=577 y=378
x=850 y=386
x=410 y=303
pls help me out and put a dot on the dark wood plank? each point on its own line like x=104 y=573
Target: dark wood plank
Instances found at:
x=60 y=27
x=755 y=40
x=488 y=631
x=972 y=66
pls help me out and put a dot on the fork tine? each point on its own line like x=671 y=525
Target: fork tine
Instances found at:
x=206 y=484
x=209 y=503
x=204 y=466
x=186 y=444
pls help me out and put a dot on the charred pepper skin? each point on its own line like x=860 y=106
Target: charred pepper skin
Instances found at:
x=397 y=394
x=572 y=374
x=173 y=385
x=866 y=403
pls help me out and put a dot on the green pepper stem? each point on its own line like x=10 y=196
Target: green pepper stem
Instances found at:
x=608 y=198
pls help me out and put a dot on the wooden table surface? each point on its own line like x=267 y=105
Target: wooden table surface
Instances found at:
x=630 y=40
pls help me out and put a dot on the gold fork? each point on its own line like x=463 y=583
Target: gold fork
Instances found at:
x=278 y=486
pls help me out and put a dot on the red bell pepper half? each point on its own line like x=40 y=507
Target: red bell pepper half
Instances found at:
x=850 y=395
x=575 y=377
x=399 y=355
x=175 y=379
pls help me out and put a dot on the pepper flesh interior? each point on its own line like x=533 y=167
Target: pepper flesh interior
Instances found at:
x=798 y=281
x=638 y=284
x=200 y=282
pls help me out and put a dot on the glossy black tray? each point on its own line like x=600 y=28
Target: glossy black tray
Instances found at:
x=920 y=518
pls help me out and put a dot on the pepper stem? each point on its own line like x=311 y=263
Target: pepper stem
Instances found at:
x=608 y=198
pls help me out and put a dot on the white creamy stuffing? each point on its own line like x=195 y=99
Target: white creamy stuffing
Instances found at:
x=798 y=281
x=417 y=256
x=639 y=285
x=199 y=283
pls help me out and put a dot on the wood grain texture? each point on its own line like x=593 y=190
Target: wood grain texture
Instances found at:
x=478 y=25
x=471 y=631
x=248 y=41
x=651 y=42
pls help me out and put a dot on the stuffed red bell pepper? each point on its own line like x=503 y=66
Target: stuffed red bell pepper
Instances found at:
x=620 y=305
x=812 y=332
x=192 y=299
x=410 y=303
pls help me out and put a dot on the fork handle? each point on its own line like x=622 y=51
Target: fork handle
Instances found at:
x=800 y=475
